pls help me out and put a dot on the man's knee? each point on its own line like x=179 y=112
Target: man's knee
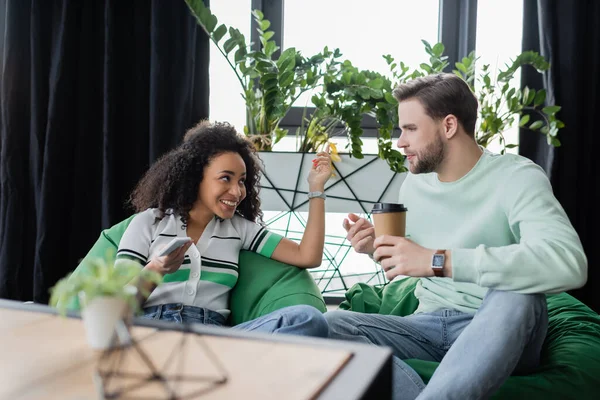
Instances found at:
x=518 y=304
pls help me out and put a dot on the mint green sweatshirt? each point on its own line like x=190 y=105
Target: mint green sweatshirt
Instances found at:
x=505 y=228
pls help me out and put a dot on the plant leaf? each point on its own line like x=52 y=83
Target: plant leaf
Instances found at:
x=229 y=45
x=211 y=22
x=258 y=14
x=550 y=110
x=268 y=35
x=438 y=49
x=264 y=25
x=219 y=33
x=376 y=83
x=536 y=125
x=540 y=97
x=286 y=78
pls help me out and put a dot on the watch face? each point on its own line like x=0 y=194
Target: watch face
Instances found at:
x=438 y=260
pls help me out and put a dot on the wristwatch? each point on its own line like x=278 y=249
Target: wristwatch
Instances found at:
x=312 y=195
x=437 y=263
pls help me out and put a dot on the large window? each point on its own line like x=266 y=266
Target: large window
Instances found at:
x=226 y=102
x=497 y=45
x=363 y=30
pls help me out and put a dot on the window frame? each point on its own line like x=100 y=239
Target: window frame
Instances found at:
x=457 y=29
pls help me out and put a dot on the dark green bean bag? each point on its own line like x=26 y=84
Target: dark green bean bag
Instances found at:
x=263 y=285
x=570 y=367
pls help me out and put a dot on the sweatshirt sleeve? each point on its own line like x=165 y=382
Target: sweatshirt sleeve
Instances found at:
x=548 y=256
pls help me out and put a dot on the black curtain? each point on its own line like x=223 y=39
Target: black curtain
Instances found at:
x=92 y=92
x=567 y=33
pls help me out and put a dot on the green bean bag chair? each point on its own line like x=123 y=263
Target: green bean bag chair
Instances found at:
x=570 y=367
x=263 y=285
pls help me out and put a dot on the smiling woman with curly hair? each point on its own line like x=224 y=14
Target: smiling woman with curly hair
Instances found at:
x=205 y=193
x=173 y=181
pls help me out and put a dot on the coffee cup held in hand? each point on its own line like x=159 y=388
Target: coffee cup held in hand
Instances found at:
x=389 y=219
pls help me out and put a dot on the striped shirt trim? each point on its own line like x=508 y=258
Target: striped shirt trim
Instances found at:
x=211 y=262
x=262 y=229
x=219 y=270
x=270 y=245
x=163 y=235
x=132 y=255
x=226 y=237
x=259 y=241
x=221 y=279
x=181 y=275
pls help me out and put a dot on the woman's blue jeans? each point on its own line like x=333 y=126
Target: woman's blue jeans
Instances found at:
x=300 y=320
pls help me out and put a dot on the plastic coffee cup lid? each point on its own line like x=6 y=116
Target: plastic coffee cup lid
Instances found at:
x=388 y=207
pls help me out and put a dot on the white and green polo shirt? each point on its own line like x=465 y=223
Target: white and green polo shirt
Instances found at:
x=210 y=268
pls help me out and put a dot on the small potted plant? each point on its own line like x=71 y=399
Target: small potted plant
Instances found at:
x=105 y=292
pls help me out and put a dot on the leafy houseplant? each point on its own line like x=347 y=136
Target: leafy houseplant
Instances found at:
x=500 y=104
x=270 y=85
x=351 y=93
x=105 y=292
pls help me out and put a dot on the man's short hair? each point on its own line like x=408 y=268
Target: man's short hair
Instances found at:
x=441 y=95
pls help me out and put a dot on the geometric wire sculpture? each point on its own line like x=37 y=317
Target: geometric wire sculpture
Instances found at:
x=357 y=185
x=113 y=379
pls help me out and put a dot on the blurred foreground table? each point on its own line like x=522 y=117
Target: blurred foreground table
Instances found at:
x=45 y=356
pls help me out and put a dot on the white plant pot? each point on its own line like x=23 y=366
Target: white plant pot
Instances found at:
x=100 y=318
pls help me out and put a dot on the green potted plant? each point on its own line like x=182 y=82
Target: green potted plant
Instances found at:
x=270 y=85
x=105 y=292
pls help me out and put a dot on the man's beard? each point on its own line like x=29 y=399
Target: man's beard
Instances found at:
x=429 y=159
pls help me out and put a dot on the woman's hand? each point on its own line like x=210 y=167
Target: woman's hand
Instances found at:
x=169 y=263
x=320 y=171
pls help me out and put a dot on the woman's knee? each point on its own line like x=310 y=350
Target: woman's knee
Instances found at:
x=305 y=314
x=339 y=320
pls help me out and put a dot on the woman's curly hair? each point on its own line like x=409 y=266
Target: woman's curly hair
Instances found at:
x=174 y=179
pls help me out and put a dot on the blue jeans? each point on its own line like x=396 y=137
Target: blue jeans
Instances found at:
x=294 y=320
x=477 y=353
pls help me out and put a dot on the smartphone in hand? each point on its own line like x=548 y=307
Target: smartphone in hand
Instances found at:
x=174 y=245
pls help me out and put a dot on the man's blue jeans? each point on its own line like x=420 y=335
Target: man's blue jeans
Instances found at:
x=300 y=320
x=477 y=353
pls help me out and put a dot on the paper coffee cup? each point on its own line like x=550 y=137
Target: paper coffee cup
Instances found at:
x=389 y=219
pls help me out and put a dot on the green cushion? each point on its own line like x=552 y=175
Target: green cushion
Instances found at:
x=570 y=366
x=264 y=285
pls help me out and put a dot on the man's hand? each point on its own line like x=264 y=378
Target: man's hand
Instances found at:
x=169 y=263
x=361 y=234
x=401 y=256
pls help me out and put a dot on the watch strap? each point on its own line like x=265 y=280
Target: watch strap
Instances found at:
x=439 y=270
x=312 y=195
